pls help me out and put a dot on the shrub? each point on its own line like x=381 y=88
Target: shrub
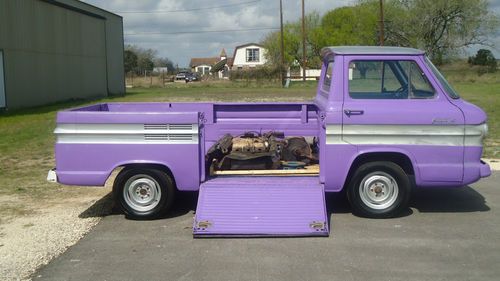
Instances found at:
x=260 y=73
x=486 y=60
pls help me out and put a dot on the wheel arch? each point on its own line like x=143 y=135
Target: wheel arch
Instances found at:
x=402 y=159
x=143 y=165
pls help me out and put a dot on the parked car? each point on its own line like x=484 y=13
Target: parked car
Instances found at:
x=192 y=77
x=384 y=121
x=181 y=76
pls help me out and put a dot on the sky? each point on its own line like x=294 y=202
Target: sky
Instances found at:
x=162 y=24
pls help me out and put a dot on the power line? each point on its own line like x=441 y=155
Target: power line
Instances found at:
x=200 y=31
x=188 y=10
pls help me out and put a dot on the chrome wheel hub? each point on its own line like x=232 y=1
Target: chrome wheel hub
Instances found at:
x=142 y=193
x=378 y=190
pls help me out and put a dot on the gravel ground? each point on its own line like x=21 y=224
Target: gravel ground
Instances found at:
x=29 y=242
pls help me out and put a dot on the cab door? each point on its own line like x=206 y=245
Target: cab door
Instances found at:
x=391 y=105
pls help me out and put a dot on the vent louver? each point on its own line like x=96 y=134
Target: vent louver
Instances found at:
x=180 y=127
x=170 y=132
x=156 y=137
x=179 y=137
x=155 y=126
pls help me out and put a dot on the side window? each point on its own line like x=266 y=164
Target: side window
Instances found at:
x=421 y=87
x=388 y=80
x=327 y=78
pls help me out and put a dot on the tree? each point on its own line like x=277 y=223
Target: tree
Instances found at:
x=440 y=27
x=146 y=60
x=486 y=59
x=293 y=43
x=130 y=61
x=164 y=62
x=351 y=25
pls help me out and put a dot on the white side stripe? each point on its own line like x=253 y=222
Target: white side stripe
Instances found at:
x=446 y=135
x=127 y=133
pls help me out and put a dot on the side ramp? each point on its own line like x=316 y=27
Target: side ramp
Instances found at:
x=261 y=206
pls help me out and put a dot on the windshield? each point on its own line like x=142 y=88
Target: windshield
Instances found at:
x=446 y=86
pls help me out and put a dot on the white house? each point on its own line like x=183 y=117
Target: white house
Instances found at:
x=247 y=56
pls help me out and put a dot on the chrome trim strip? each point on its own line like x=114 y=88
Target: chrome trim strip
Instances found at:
x=445 y=135
x=127 y=133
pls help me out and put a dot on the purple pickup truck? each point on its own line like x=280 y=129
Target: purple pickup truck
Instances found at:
x=384 y=121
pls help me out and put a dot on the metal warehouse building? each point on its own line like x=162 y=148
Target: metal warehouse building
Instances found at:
x=53 y=50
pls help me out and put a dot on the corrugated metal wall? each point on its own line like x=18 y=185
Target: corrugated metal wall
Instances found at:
x=52 y=53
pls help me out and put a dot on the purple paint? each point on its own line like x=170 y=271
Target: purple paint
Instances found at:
x=264 y=206
x=441 y=138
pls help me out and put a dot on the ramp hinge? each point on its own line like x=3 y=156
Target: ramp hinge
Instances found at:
x=202 y=225
x=317 y=225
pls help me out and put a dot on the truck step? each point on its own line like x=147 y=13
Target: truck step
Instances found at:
x=261 y=206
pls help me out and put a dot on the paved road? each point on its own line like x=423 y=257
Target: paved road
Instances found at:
x=449 y=234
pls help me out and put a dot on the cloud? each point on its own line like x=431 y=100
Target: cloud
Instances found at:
x=181 y=47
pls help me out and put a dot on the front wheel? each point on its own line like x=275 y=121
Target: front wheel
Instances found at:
x=143 y=193
x=379 y=190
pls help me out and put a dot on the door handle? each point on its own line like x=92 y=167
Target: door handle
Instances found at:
x=350 y=112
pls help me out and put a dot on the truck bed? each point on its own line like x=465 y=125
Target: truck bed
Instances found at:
x=94 y=140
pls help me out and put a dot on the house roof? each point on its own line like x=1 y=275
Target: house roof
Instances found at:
x=211 y=61
x=369 y=50
x=208 y=61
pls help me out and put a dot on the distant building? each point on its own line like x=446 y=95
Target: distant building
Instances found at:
x=54 y=50
x=203 y=66
x=160 y=70
x=248 y=56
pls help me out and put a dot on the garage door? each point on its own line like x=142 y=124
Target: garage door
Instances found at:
x=2 y=82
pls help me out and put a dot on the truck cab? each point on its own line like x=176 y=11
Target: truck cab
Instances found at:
x=384 y=121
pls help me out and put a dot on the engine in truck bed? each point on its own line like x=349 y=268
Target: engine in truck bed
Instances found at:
x=254 y=151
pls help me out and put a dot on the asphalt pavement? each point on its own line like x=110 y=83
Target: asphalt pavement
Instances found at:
x=447 y=234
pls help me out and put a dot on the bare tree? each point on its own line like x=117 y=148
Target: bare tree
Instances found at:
x=440 y=27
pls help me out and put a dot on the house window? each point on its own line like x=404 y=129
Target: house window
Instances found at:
x=253 y=54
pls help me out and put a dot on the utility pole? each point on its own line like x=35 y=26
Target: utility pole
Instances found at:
x=382 y=23
x=282 y=66
x=304 y=58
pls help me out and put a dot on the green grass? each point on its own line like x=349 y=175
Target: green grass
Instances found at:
x=27 y=141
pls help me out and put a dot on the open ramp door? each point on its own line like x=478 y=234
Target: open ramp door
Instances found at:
x=261 y=206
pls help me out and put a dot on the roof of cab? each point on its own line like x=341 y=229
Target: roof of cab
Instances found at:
x=369 y=50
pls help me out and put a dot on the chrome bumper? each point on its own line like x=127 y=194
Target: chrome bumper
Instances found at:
x=52 y=176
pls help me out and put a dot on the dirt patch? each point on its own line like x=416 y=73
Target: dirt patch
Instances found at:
x=33 y=239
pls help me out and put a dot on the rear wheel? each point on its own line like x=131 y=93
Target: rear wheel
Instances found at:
x=379 y=190
x=143 y=193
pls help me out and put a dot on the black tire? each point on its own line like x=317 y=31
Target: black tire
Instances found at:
x=371 y=182
x=131 y=183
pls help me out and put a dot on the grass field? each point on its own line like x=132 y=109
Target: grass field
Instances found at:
x=26 y=138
